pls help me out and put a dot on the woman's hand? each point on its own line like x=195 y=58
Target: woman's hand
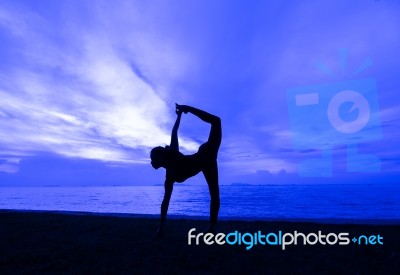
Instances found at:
x=181 y=108
x=178 y=112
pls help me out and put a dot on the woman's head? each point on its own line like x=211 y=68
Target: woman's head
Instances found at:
x=158 y=157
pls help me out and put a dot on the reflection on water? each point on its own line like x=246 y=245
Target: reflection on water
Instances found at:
x=263 y=201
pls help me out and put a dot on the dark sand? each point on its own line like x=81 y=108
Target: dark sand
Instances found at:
x=34 y=242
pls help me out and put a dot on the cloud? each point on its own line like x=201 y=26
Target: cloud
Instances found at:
x=96 y=80
x=9 y=165
x=245 y=155
x=81 y=96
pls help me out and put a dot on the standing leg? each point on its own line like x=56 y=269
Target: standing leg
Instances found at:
x=211 y=175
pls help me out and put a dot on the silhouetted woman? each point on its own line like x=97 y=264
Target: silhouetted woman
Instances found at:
x=180 y=167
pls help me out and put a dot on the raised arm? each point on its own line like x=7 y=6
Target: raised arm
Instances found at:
x=174 y=145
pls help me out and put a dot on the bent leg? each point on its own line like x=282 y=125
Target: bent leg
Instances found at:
x=214 y=139
x=211 y=175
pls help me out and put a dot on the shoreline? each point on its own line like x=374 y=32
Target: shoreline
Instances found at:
x=205 y=218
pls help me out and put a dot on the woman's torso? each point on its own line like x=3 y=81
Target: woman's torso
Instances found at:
x=183 y=166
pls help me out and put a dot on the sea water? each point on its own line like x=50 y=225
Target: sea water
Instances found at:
x=334 y=201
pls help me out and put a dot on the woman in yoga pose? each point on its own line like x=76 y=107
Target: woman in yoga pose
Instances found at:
x=180 y=167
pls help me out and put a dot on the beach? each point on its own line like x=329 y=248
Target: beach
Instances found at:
x=57 y=242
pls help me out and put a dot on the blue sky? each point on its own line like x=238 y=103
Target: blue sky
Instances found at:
x=87 y=88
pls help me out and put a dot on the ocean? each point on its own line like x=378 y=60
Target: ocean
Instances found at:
x=321 y=202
